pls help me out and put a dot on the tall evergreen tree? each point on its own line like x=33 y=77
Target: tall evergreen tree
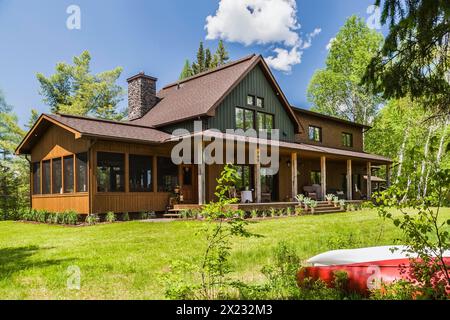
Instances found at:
x=14 y=170
x=199 y=65
x=208 y=59
x=222 y=54
x=414 y=60
x=187 y=70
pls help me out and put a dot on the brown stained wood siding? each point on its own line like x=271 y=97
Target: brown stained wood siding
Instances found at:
x=128 y=201
x=331 y=132
x=57 y=142
x=59 y=203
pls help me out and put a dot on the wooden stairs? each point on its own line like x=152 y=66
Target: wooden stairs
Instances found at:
x=323 y=207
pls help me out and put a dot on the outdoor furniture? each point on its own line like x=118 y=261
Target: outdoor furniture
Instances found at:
x=313 y=192
x=246 y=197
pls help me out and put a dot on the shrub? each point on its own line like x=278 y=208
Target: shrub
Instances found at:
x=91 y=219
x=272 y=212
x=254 y=213
x=125 y=216
x=110 y=217
x=288 y=211
x=298 y=211
x=71 y=217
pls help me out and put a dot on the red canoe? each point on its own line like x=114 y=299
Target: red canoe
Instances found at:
x=366 y=268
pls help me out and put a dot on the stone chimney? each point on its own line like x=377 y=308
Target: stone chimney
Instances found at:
x=141 y=95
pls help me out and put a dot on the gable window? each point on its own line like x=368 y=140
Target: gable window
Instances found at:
x=46 y=183
x=315 y=133
x=265 y=121
x=110 y=172
x=68 y=174
x=251 y=100
x=347 y=139
x=36 y=178
x=167 y=175
x=315 y=177
x=81 y=171
x=140 y=173
x=259 y=102
x=244 y=119
x=56 y=176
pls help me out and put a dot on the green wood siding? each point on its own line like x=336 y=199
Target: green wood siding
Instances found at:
x=255 y=83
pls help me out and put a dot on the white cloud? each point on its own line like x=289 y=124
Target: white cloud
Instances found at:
x=330 y=43
x=254 y=21
x=262 y=22
x=284 y=60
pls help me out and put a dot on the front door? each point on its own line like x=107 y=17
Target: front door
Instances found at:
x=187 y=183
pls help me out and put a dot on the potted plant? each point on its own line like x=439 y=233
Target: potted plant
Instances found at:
x=313 y=205
x=342 y=204
x=329 y=197
x=335 y=201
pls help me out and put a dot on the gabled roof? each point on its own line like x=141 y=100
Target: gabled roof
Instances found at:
x=327 y=117
x=200 y=95
x=93 y=128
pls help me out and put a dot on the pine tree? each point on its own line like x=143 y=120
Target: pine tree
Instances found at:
x=199 y=65
x=208 y=59
x=222 y=54
x=187 y=70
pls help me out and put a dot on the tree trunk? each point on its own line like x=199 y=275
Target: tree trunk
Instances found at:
x=423 y=180
x=400 y=156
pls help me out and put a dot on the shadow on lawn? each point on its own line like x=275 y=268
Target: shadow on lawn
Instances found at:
x=13 y=260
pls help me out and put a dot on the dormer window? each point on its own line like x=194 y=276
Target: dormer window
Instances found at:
x=315 y=134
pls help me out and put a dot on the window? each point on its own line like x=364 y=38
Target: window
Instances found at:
x=46 y=183
x=315 y=177
x=81 y=172
x=36 y=178
x=56 y=176
x=245 y=178
x=250 y=100
x=260 y=102
x=244 y=119
x=248 y=120
x=110 y=172
x=265 y=121
x=315 y=133
x=68 y=174
x=167 y=175
x=140 y=173
x=347 y=139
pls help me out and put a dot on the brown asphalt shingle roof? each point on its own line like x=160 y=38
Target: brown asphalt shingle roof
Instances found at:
x=196 y=96
x=111 y=129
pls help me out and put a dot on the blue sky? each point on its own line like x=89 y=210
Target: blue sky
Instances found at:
x=156 y=37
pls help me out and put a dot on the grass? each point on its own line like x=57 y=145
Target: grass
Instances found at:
x=123 y=260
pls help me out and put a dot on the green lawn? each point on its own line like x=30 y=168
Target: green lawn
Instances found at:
x=123 y=260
